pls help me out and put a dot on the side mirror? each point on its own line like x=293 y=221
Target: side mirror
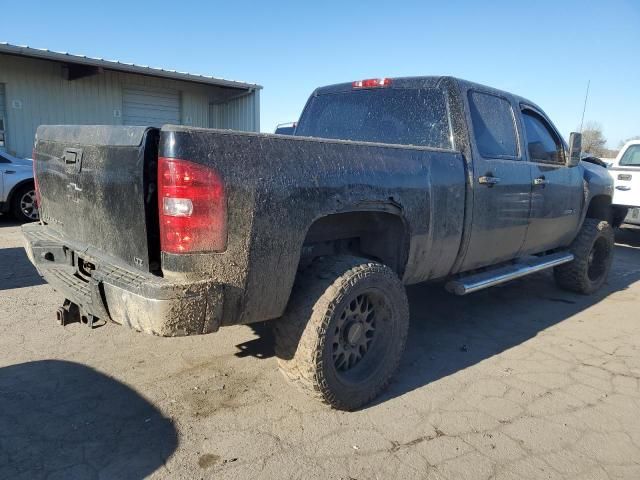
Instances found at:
x=575 y=148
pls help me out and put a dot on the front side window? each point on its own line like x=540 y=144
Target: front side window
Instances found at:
x=543 y=144
x=493 y=126
x=398 y=116
x=631 y=157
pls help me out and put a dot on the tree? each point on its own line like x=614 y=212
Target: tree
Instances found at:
x=593 y=140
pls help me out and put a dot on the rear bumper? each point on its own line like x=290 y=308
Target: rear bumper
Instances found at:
x=139 y=300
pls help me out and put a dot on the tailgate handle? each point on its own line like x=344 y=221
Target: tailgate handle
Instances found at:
x=72 y=158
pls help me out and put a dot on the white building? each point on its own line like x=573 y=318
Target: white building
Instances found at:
x=43 y=87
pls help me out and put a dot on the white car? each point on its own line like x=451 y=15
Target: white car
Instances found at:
x=625 y=171
x=17 y=191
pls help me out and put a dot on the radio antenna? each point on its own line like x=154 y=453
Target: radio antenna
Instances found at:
x=584 y=109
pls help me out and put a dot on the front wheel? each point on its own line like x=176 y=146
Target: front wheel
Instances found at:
x=344 y=331
x=593 y=253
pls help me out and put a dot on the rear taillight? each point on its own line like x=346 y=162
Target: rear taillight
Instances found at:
x=193 y=207
x=35 y=179
x=372 y=83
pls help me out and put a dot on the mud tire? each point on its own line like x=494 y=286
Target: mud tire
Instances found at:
x=307 y=335
x=593 y=252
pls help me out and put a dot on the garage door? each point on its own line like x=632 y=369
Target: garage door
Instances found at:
x=150 y=106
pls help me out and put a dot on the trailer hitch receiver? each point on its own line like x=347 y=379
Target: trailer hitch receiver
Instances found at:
x=68 y=313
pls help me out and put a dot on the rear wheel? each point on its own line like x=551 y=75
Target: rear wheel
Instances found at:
x=344 y=331
x=23 y=204
x=593 y=252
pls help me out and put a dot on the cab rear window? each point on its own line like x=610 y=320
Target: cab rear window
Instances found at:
x=397 y=116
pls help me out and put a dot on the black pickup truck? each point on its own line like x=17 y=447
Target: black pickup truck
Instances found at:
x=386 y=182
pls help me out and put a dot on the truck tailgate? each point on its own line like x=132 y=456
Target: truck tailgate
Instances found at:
x=97 y=187
x=627 y=186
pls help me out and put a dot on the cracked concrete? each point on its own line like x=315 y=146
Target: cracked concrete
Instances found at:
x=522 y=381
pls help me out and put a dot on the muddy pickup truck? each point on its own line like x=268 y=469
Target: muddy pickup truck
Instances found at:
x=386 y=182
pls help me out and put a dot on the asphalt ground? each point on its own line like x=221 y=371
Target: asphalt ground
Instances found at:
x=520 y=381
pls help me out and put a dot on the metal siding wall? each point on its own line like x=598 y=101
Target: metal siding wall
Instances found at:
x=45 y=97
x=195 y=108
x=214 y=116
x=241 y=113
x=256 y=110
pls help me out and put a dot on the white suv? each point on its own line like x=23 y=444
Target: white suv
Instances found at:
x=625 y=171
x=17 y=191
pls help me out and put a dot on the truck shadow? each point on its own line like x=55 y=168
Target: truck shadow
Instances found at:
x=64 y=420
x=449 y=333
x=16 y=271
x=8 y=221
x=628 y=236
x=262 y=346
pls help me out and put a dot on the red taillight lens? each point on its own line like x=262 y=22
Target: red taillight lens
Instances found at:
x=192 y=207
x=372 y=83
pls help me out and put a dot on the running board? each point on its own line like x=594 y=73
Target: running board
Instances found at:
x=525 y=266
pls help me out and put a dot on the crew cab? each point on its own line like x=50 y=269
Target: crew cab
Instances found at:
x=385 y=183
x=625 y=171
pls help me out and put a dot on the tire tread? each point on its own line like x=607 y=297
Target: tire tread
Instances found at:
x=299 y=339
x=573 y=276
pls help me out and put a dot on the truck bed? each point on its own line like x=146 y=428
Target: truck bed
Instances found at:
x=276 y=188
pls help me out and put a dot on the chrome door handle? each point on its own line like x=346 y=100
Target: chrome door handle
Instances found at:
x=624 y=188
x=488 y=180
x=540 y=181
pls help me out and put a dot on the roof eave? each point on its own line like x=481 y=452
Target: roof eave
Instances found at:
x=25 y=51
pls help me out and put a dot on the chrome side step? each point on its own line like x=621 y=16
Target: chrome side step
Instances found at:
x=523 y=267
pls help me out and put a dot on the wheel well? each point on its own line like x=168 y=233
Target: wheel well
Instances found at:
x=379 y=236
x=600 y=208
x=17 y=187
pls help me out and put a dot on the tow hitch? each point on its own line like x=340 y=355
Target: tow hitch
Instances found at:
x=69 y=313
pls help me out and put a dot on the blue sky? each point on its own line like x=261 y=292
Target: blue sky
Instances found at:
x=543 y=50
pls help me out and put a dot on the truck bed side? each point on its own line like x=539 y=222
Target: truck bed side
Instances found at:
x=279 y=187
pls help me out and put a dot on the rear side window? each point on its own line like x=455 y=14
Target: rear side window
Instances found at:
x=631 y=157
x=386 y=115
x=542 y=143
x=493 y=126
